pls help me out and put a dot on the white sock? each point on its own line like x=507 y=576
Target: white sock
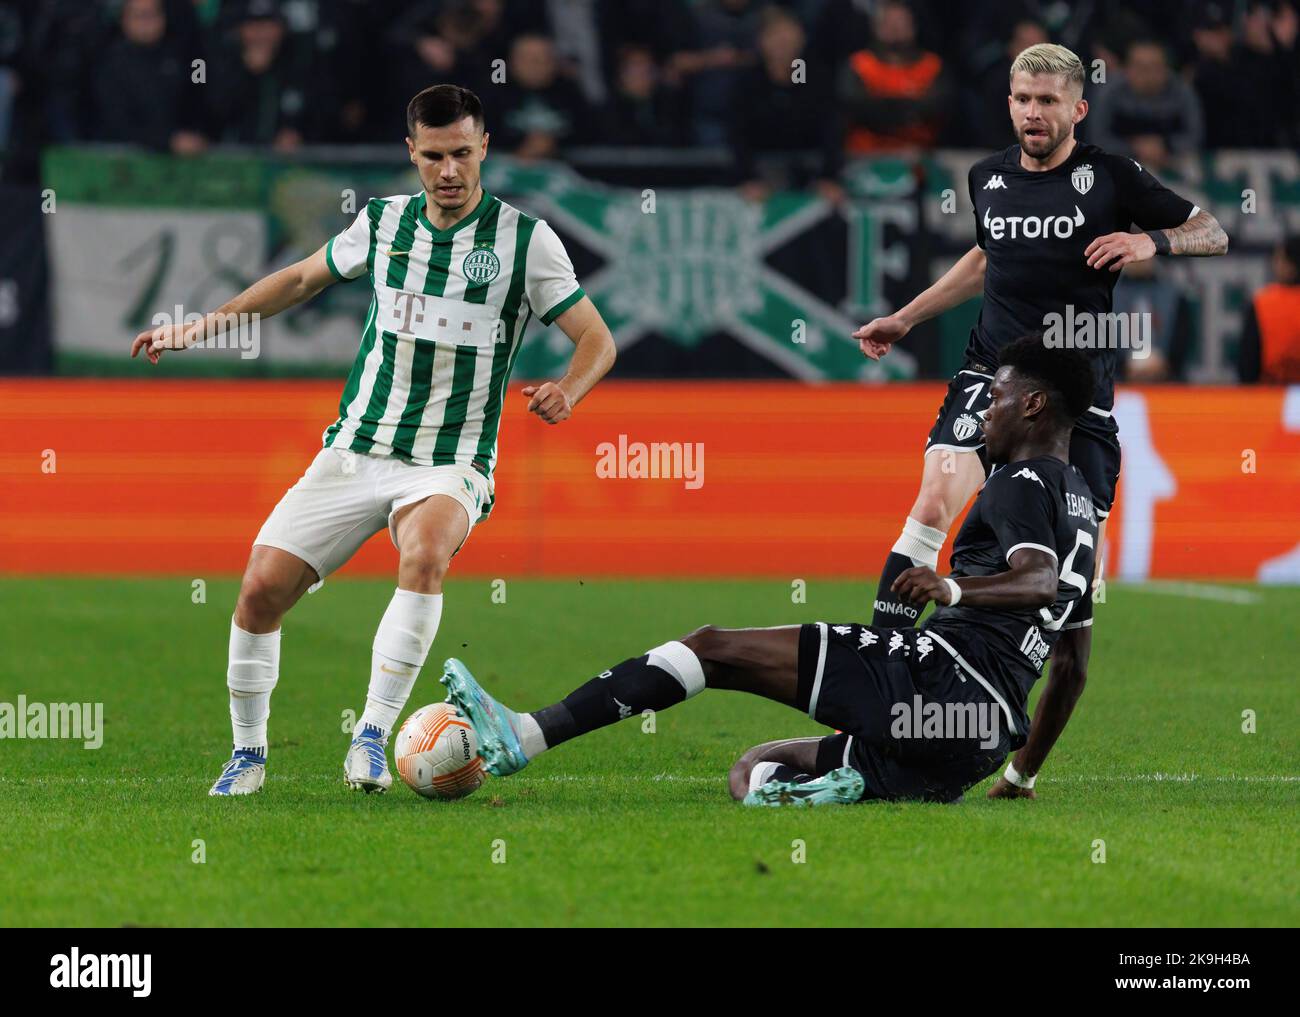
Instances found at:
x=921 y=543
x=530 y=736
x=251 y=674
x=402 y=643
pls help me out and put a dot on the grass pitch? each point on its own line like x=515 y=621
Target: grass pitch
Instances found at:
x=625 y=827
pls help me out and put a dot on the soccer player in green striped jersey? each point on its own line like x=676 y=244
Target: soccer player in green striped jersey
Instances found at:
x=456 y=276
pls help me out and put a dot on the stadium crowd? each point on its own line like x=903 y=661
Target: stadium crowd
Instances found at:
x=788 y=90
x=879 y=74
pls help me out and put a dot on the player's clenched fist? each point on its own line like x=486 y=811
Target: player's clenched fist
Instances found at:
x=549 y=401
x=164 y=337
x=920 y=585
x=876 y=337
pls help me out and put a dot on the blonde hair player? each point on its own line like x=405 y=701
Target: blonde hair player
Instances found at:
x=1052 y=232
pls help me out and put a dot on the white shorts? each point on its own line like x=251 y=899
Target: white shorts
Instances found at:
x=345 y=498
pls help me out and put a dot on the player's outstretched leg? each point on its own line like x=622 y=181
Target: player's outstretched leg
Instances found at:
x=763 y=662
x=496 y=728
x=839 y=787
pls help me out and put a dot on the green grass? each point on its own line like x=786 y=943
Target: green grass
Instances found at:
x=626 y=828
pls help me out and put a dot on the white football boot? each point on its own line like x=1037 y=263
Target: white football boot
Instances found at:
x=243 y=774
x=366 y=766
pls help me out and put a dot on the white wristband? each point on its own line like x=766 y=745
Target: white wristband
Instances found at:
x=1018 y=779
x=954 y=590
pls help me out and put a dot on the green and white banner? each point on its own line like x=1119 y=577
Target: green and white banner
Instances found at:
x=694 y=282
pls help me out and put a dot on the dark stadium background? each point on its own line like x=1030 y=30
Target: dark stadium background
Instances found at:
x=130 y=188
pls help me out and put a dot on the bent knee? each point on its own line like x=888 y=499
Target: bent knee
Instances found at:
x=262 y=600
x=709 y=643
x=424 y=564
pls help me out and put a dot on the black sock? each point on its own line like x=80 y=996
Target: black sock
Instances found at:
x=624 y=690
x=890 y=612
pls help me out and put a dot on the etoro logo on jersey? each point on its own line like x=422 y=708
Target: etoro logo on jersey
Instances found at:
x=1031 y=227
x=481 y=266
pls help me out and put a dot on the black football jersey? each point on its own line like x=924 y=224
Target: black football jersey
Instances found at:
x=1034 y=228
x=1042 y=503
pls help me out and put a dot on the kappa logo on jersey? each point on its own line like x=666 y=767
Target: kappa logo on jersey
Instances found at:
x=964 y=427
x=867 y=638
x=1082 y=178
x=1032 y=227
x=995 y=182
x=1026 y=472
x=481 y=266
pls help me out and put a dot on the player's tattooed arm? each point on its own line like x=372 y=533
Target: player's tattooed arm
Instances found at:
x=1201 y=236
x=1031 y=582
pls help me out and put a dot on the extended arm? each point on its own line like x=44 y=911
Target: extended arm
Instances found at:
x=960 y=283
x=593 y=356
x=268 y=296
x=1201 y=236
x=1030 y=583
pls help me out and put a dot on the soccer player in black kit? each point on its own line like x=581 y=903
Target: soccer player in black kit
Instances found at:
x=1022 y=569
x=1052 y=216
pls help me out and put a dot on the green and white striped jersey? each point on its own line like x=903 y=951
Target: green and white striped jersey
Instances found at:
x=445 y=324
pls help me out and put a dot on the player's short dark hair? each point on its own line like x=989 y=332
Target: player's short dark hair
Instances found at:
x=1065 y=373
x=440 y=105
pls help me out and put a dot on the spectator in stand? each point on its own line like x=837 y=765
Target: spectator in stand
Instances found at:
x=443 y=42
x=895 y=94
x=786 y=118
x=643 y=108
x=1269 y=33
x=256 y=97
x=723 y=38
x=1243 y=92
x=141 y=92
x=537 y=111
x=987 y=121
x=1269 y=351
x=1148 y=113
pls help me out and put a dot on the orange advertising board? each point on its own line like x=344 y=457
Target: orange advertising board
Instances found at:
x=774 y=479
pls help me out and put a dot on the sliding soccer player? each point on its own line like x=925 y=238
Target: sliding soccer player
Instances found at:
x=1051 y=226
x=457 y=274
x=1021 y=570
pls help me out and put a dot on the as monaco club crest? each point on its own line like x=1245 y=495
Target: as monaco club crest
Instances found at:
x=964 y=427
x=1082 y=178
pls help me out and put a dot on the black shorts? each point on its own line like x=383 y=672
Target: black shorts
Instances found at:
x=913 y=722
x=1094 y=444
